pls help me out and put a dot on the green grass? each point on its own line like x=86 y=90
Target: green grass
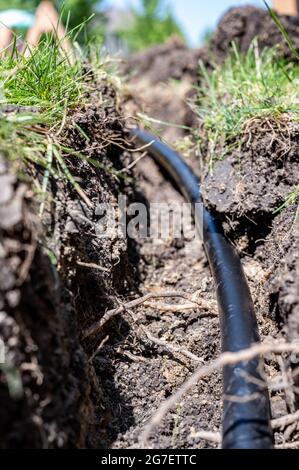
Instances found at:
x=254 y=85
x=248 y=86
x=13 y=379
x=245 y=90
x=286 y=37
x=292 y=199
x=41 y=90
x=45 y=80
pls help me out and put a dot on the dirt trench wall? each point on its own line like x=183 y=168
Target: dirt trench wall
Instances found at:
x=44 y=384
x=50 y=394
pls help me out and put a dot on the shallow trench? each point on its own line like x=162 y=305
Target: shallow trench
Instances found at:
x=146 y=372
x=102 y=391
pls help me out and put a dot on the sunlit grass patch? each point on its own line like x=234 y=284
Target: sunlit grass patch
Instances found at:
x=292 y=199
x=45 y=79
x=245 y=87
x=39 y=93
x=250 y=100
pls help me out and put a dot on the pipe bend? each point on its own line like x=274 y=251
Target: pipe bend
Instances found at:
x=246 y=422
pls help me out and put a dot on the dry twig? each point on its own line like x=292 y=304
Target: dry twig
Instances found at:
x=206 y=435
x=97 y=326
x=103 y=342
x=171 y=347
x=227 y=358
x=93 y=266
x=284 y=421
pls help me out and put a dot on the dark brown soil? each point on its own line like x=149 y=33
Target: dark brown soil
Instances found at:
x=160 y=82
x=61 y=391
x=44 y=386
x=256 y=178
x=147 y=373
x=47 y=298
x=247 y=189
x=244 y=190
x=159 y=63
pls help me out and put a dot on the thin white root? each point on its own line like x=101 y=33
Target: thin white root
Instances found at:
x=171 y=347
x=206 y=436
x=93 y=266
x=97 y=326
x=285 y=420
x=226 y=358
x=212 y=310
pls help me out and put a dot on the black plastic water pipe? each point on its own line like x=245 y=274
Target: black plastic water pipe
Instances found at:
x=246 y=404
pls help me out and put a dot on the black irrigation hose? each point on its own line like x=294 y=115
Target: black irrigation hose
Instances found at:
x=246 y=405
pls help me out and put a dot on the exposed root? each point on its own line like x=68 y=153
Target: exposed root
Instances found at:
x=206 y=436
x=133 y=357
x=226 y=358
x=210 y=306
x=97 y=326
x=171 y=347
x=103 y=342
x=285 y=420
x=93 y=266
x=280 y=130
x=288 y=386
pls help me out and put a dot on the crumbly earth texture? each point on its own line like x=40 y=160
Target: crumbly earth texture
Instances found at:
x=57 y=277
x=244 y=192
